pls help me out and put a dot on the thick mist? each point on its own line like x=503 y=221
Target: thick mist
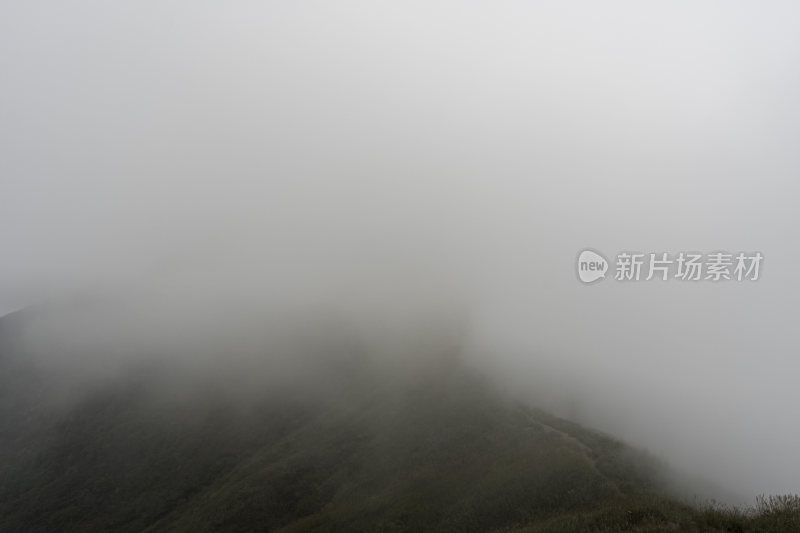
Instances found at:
x=395 y=166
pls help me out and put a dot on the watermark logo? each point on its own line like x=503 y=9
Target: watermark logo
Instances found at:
x=683 y=266
x=591 y=266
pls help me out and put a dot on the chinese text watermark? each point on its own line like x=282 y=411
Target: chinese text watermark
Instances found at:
x=684 y=266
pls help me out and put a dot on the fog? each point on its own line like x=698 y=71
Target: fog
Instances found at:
x=394 y=165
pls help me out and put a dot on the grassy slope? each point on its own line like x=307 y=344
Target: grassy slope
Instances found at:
x=439 y=451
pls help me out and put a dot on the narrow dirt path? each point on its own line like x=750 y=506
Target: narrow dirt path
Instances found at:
x=589 y=454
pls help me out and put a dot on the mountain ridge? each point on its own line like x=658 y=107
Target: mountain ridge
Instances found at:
x=159 y=446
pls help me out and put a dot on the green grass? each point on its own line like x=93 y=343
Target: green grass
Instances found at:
x=436 y=451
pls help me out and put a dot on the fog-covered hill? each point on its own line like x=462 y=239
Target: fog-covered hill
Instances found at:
x=158 y=445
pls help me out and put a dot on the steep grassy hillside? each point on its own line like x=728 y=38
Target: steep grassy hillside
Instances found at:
x=437 y=449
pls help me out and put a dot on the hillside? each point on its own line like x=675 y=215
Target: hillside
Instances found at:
x=435 y=449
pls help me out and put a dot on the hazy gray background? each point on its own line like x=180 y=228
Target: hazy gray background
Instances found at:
x=394 y=160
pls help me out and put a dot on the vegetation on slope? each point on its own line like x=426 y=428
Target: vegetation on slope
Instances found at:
x=435 y=450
